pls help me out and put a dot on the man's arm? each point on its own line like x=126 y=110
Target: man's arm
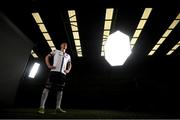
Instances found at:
x=47 y=61
x=69 y=66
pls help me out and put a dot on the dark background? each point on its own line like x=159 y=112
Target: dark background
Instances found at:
x=152 y=85
x=144 y=83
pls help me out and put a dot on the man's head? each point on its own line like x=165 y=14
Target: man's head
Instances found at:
x=63 y=46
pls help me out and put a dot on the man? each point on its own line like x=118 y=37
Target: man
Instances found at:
x=57 y=76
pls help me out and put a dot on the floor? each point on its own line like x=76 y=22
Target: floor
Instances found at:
x=27 y=113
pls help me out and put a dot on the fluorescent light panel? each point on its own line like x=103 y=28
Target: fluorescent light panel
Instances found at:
x=53 y=48
x=37 y=17
x=133 y=40
x=174 y=24
x=161 y=40
x=156 y=47
x=50 y=43
x=77 y=42
x=173 y=48
x=140 y=26
x=167 y=33
x=170 y=52
x=72 y=15
x=107 y=27
x=104 y=40
x=34 y=70
x=146 y=13
x=79 y=54
x=74 y=28
x=132 y=46
x=102 y=48
x=78 y=49
x=43 y=30
x=34 y=54
x=47 y=36
x=109 y=13
x=137 y=33
x=151 y=52
x=106 y=33
x=75 y=35
x=178 y=17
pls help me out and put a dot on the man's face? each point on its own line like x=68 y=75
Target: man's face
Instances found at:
x=64 y=45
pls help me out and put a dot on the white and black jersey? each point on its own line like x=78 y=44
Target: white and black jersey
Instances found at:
x=60 y=61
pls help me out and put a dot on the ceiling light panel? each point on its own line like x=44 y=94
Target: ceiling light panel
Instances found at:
x=109 y=13
x=107 y=27
x=156 y=47
x=77 y=42
x=106 y=33
x=174 y=24
x=151 y=52
x=137 y=33
x=75 y=32
x=50 y=43
x=167 y=33
x=76 y=35
x=161 y=40
x=74 y=26
x=37 y=17
x=72 y=15
x=34 y=54
x=140 y=26
x=43 y=29
x=170 y=52
x=173 y=48
x=178 y=17
x=146 y=13
x=133 y=40
x=47 y=36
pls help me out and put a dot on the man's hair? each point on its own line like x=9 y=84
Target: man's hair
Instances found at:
x=63 y=43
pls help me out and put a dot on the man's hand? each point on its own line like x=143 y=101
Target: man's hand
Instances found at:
x=51 y=67
x=66 y=71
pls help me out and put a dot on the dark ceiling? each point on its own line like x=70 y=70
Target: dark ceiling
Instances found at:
x=90 y=18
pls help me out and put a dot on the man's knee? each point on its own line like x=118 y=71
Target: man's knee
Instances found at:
x=48 y=85
x=60 y=87
x=45 y=90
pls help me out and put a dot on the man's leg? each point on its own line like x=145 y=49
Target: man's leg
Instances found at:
x=59 y=99
x=58 y=102
x=43 y=101
x=59 y=87
x=44 y=97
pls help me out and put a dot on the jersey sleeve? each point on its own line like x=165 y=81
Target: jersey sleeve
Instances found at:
x=69 y=60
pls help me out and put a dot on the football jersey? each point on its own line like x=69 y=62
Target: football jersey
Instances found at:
x=60 y=61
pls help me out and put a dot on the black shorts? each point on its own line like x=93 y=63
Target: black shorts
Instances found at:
x=56 y=80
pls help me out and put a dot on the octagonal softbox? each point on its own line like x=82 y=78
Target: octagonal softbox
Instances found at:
x=117 y=48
